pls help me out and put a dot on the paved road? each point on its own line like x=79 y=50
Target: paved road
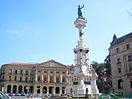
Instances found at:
x=23 y=97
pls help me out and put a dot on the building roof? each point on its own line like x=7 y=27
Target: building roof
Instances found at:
x=35 y=64
x=116 y=40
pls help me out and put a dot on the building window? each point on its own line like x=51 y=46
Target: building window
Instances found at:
x=45 y=79
x=31 y=79
x=130 y=84
x=9 y=78
x=51 y=79
x=130 y=68
x=118 y=61
x=21 y=72
x=63 y=79
x=38 y=78
x=10 y=71
x=63 y=72
x=15 y=78
x=26 y=72
x=57 y=72
x=3 y=78
x=127 y=46
x=15 y=71
x=117 y=50
x=129 y=57
x=120 y=84
x=57 y=79
x=20 y=79
x=26 y=79
x=119 y=70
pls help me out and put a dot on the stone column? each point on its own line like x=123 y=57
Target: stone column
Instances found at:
x=60 y=76
x=42 y=76
x=36 y=76
x=48 y=76
x=5 y=88
x=54 y=76
x=17 y=88
x=60 y=90
x=41 y=90
x=35 y=90
x=47 y=89
x=54 y=90
x=22 y=88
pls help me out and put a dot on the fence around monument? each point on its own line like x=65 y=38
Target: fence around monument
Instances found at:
x=107 y=96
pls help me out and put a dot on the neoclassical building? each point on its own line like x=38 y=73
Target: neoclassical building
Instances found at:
x=121 y=64
x=48 y=77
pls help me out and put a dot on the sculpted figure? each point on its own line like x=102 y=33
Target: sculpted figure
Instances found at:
x=79 y=11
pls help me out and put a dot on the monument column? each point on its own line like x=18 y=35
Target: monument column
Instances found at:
x=81 y=77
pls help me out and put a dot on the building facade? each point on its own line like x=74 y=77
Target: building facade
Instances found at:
x=121 y=64
x=43 y=78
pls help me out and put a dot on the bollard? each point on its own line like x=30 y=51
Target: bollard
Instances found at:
x=96 y=96
x=88 y=96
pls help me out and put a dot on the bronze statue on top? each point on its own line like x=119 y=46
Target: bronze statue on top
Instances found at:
x=79 y=11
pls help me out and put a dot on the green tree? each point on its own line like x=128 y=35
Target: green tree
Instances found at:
x=103 y=70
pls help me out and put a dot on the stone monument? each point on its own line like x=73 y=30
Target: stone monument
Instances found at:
x=82 y=80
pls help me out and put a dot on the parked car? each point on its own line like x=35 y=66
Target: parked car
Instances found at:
x=11 y=94
x=23 y=94
x=4 y=96
x=17 y=94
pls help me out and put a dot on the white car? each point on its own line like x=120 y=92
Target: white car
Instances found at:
x=4 y=96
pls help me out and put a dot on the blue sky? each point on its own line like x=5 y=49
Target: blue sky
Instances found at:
x=34 y=31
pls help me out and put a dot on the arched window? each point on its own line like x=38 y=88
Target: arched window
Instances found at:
x=15 y=78
x=57 y=90
x=9 y=78
x=26 y=79
x=20 y=79
x=15 y=71
x=20 y=89
x=63 y=79
x=8 y=88
x=44 y=90
x=14 y=89
x=63 y=90
x=38 y=78
x=26 y=72
x=120 y=84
